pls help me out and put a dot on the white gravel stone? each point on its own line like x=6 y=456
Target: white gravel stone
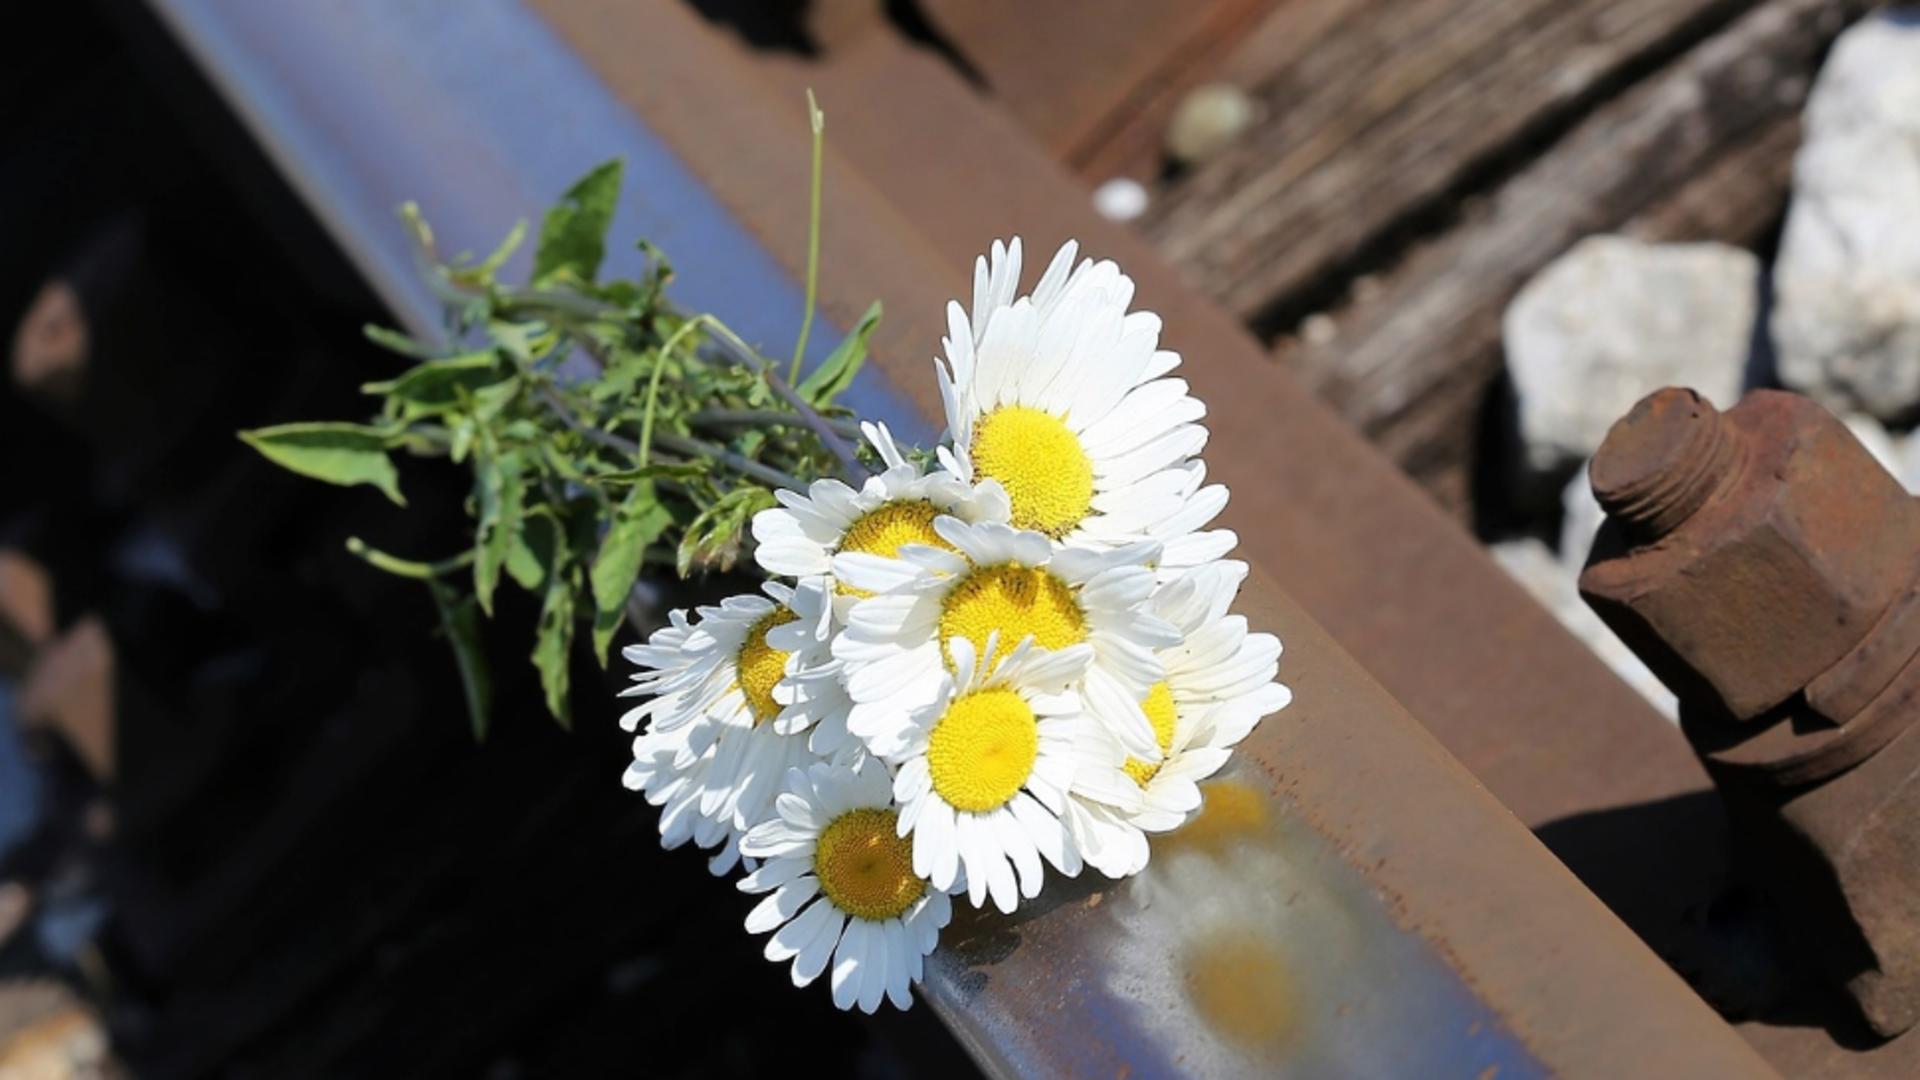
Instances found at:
x=1875 y=438
x=1555 y=586
x=1615 y=319
x=1908 y=468
x=1580 y=519
x=1846 y=321
x=1208 y=120
x=1120 y=199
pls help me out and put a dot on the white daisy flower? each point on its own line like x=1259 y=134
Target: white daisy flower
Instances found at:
x=1000 y=583
x=987 y=769
x=820 y=690
x=836 y=838
x=1219 y=683
x=730 y=681
x=1063 y=397
x=800 y=537
x=659 y=773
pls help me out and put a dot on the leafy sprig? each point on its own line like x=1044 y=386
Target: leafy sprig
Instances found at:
x=604 y=431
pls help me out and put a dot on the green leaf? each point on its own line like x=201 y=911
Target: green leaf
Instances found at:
x=623 y=374
x=531 y=552
x=501 y=492
x=397 y=342
x=436 y=386
x=552 y=642
x=482 y=272
x=639 y=522
x=713 y=539
x=344 y=454
x=574 y=236
x=524 y=341
x=488 y=402
x=417 y=225
x=462 y=440
x=836 y=372
x=462 y=629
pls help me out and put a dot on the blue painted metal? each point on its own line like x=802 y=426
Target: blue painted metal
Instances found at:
x=474 y=110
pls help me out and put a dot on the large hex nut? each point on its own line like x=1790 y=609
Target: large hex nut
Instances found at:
x=1773 y=546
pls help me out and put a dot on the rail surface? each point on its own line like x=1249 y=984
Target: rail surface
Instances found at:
x=1353 y=902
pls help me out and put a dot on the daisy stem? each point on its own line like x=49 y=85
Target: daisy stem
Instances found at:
x=752 y=417
x=653 y=387
x=572 y=304
x=818 y=121
x=680 y=444
x=746 y=466
x=740 y=351
x=605 y=438
x=407 y=568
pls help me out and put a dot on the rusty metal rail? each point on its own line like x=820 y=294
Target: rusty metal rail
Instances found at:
x=1354 y=901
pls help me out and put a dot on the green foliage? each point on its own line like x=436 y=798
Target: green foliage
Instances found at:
x=836 y=373
x=603 y=431
x=574 y=238
x=640 y=520
x=345 y=454
x=462 y=628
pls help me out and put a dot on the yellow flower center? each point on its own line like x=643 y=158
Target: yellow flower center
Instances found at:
x=1160 y=712
x=885 y=528
x=1016 y=601
x=1038 y=459
x=864 y=867
x=983 y=750
x=761 y=666
x=888 y=527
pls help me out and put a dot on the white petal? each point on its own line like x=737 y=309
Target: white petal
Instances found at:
x=817 y=948
x=782 y=905
x=787 y=941
x=849 y=960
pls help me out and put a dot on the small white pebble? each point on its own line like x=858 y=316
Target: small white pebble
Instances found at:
x=1207 y=121
x=1120 y=199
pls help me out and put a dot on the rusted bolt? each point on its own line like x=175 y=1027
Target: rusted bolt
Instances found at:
x=1663 y=462
x=1767 y=568
x=1745 y=553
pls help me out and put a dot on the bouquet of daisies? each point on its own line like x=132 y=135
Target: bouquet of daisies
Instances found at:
x=1015 y=653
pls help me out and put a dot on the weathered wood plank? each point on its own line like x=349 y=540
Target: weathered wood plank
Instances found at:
x=1395 y=110
x=1242 y=54
x=1409 y=362
x=1739 y=199
x=1069 y=68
